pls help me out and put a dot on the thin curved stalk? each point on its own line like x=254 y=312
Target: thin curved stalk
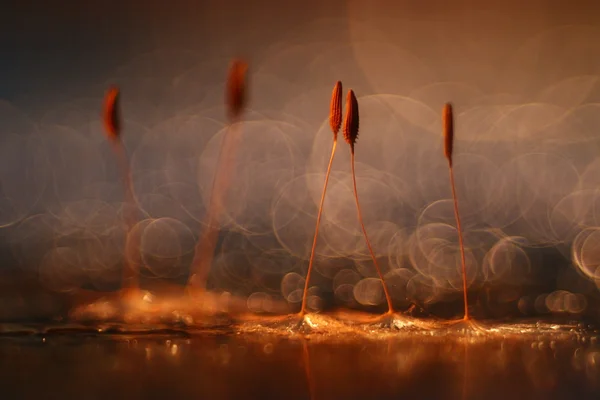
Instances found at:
x=207 y=240
x=314 y=245
x=131 y=268
x=388 y=298
x=460 y=242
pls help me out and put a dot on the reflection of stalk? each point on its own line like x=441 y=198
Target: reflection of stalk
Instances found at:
x=235 y=94
x=448 y=123
x=335 y=121
x=351 y=123
x=307 y=371
x=112 y=123
x=465 y=387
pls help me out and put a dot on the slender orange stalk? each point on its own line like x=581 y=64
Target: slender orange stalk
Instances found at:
x=448 y=123
x=235 y=100
x=351 y=124
x=335 y=121
x=111 y=117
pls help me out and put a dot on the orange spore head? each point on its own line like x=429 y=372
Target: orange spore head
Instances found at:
x=448 y=126
x=111 y=114
x=351 y=121
x=335 y=111
x=236 y=88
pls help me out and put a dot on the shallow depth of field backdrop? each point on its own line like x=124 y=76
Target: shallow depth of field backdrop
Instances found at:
x=524 y=78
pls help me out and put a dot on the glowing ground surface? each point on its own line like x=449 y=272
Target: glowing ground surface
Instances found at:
x=346 y=355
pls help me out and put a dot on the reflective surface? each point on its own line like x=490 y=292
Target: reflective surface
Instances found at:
x=322 y=358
